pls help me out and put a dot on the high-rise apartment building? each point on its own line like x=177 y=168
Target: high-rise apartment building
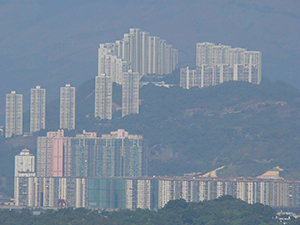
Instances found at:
x=111 y=65
x=103 y=96
x=67 y=107
x=219 y=63
x=153 y=54
x=190 y=78
x=122 y=154
x=86 y=155
x=117 y=154
x=141 y=53
x=24 y=164
x=137 y=53
x=130 y=93
x=135 y=48
x=46 y=191
x=14 y=114
x=83 y=155
x=24 y=176
x=109 y=157
x=203 y=53
x=37 y=109
x=144 y=52
x=53 y=154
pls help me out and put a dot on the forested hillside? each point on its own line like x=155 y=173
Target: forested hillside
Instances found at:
x=225 y=210
x=247 y=128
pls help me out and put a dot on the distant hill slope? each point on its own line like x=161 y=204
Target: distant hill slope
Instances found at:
x=247 y=128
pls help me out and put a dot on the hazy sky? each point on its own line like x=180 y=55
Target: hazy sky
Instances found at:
x=51 y=43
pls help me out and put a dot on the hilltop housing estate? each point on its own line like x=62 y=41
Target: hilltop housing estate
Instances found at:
x=220 y=63
x=125 y=62
x=110 y=171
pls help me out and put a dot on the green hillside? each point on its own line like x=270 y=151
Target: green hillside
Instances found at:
x=247 y=128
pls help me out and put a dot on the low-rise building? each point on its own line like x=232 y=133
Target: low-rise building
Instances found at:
x=151 y=192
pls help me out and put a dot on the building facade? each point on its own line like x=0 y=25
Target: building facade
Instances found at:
x=68 y=166
x=37 y=109
x=67 y=107
x=130 y=93
x=103 y=96
x=46 y=191
x=111 y=65
x=125 y=62
x=139 y=52
x=24 y=171
x=14 y=114
x=53 y=154
x=83 y=155
x=123 y=154
x=86 y=155
x=25 y=164
x=151 y=192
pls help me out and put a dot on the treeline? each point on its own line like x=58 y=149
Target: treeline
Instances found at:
x=222 y=211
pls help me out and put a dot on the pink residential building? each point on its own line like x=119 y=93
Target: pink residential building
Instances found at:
x=52 y=153
x=57 y=145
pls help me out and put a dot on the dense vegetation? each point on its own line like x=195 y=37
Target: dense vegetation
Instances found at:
x=222 y=211
x=248 y=128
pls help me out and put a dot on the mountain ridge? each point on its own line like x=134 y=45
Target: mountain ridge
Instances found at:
x=247 y=128
x=230 y=104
